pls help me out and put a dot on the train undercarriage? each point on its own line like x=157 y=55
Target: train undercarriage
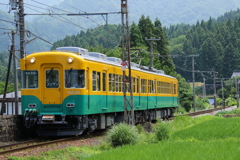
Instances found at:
x=74 y=125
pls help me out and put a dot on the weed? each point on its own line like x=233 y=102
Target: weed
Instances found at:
x=162 y=131
x=122 y=134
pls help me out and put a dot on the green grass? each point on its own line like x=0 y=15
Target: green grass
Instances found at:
x=205 y=137
x=168 y=150
x=232 y=112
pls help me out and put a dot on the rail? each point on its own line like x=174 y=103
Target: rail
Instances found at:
x=29 y=144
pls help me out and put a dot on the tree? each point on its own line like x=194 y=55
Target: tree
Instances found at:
x=230 y=60
x=135 y=36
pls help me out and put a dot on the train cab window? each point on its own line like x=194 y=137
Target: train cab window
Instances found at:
x=74 y=78
x=30 y=79
x=52 y=78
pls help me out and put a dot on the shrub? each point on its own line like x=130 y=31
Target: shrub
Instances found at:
x=231 y=101
x=202 y=103
x=187 y=105
x=180 y=110
x=162 y=131
x=139 y=128
x=219 y=101
x=122 y=134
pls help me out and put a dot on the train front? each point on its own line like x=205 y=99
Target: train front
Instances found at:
x=53 y=92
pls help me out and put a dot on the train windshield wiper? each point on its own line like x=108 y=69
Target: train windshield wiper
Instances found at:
x=50 y=71
x=68 y=75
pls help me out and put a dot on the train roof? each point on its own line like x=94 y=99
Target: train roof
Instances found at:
x=100 y=57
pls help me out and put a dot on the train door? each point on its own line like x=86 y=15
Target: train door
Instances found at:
x=52 y=87
x=104 y=88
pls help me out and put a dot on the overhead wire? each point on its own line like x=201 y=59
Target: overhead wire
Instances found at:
x=3 y=4
x=70 y=5
x=7 y=21
x=7 y=29
x=65 y=20
x=50 y=6
x=99 y=25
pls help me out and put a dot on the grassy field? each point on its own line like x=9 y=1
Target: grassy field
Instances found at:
x=204 y=137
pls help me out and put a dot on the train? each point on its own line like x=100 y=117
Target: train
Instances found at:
x=70 y=90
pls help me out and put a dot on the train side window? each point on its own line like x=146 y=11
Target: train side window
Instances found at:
x=137 y=85
x=175 y=89
x=104 y=81
x=74 y=78
x=52 y=78
x=158 y=87
x=113 y=83
x=153 y=86
x=161 y=87
x=133 y=85
x=117 y=83
x=143 y=88
x=120 y=83
x=94 y=81
x=98 y=81
x=30 y=79
x=150 y=89
x=110 y=82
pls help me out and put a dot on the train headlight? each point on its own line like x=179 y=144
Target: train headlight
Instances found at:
x=70 y=60
x=32 y=60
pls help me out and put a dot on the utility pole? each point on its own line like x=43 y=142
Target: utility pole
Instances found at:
x=3 y=110
x=215 y=94
x=222 y=94
x=193 y=78
x=21 y=28
x=204 y=87
x=15 y=73
x=151 y=50
x=237 y=92
x=128 y=116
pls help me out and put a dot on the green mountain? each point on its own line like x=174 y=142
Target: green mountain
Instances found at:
x=217 y=43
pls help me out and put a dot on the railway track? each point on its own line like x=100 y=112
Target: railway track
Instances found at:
x=6 y=149
x=29 y=144
x=205 y=111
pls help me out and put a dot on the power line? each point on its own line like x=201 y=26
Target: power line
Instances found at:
x=3 y=4
x=50 y=6
x=70 y=6
x=7 y=29
x=7 y=21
